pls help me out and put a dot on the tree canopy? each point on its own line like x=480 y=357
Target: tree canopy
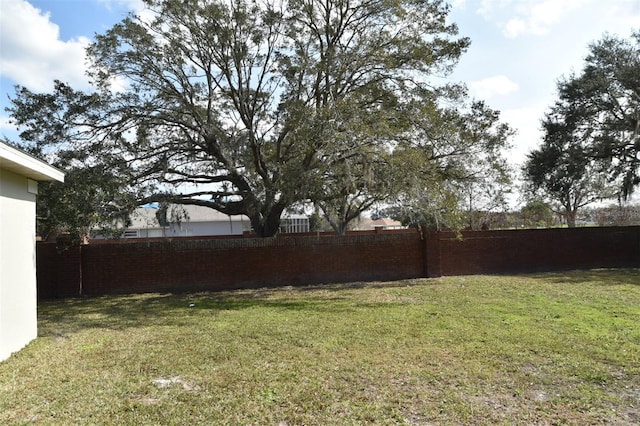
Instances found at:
x=592 y=132
x=606 y=99
x=250 y=107
x=562 y=170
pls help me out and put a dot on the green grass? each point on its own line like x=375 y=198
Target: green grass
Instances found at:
x=537 y=349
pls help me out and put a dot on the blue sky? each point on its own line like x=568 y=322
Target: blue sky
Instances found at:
x=519 y=48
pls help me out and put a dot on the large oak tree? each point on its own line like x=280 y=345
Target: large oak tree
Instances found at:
x=238 y=105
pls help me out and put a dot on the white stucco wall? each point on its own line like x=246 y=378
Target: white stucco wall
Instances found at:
x=199 y=229
x=18 y=298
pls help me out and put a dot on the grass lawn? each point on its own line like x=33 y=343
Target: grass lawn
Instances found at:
x=537 y=349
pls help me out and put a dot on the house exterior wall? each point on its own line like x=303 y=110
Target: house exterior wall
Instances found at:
x=18 y=298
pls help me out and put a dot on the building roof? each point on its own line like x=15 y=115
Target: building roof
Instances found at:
x=386 y=222
x=144 y=217
x=365 y=223
x=19 y=162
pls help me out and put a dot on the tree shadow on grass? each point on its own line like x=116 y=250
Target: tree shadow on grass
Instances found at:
x=121 y=312
x=628 y=276
x=67 y=316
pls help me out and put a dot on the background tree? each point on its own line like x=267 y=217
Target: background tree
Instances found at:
x=617 y=215
x=228 y=104
x=358 y=172
x=92 y=198
x=536 y=214
x=486 y=201
x=562 y=171
x=592 y=133
x=449 y=152
x=89 y=201
x=602 y=105
x=351 y=187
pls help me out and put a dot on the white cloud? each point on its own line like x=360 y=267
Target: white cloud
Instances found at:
x=535 y=17
x=33 y=54
x=526 y=121
x=458 y=4
x=493 y=86
x=136 y=6
x=489 y=8
x=514 y=28
x=543 y=15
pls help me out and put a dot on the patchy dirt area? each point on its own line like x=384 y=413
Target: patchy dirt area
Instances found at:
x=164 y=383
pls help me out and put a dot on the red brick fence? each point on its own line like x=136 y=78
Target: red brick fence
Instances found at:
x=186 y=264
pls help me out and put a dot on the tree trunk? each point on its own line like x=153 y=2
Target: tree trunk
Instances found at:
x=341 y=228
x=570 y=215
x=267 y=224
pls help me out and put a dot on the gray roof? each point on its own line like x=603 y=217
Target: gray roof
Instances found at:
x=144 y=217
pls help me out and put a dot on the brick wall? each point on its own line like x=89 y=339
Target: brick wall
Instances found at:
x=189 y=264
x=536 y=250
